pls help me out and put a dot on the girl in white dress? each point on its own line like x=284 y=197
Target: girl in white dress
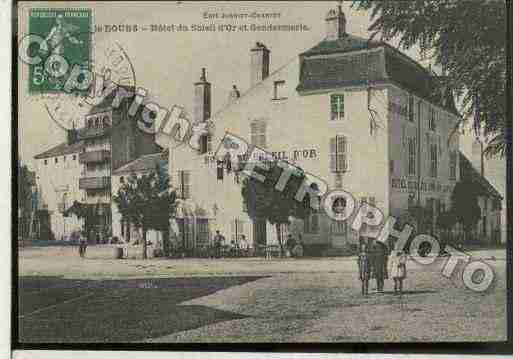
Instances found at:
x=398 y=270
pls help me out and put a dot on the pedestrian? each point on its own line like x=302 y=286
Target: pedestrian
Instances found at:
x=364 y=268
x=218 y=243
x=398 y=270
x=290 y=244
x=378 y=260
x=83 y=246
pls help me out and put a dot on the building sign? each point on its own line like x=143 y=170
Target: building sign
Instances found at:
x=407 y=185
x=290 y=156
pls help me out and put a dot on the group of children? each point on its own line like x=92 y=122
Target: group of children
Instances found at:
x=373 y=262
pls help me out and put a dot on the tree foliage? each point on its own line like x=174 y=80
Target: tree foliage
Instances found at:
x=467 y=39
x=25 y=198
x=465 y=206
x=146 y=202
x=263 y=201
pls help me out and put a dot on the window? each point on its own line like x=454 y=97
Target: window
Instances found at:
x=338 y=154
x=279 y=87
x=412 y=156
x=411 y=109
x=121 y=179
x=337 y=107
x=46 y=162
x=184 y=178
x=237 y=230
x=391 y=164
x=312 y=223
x=452 y=165
x=64 y=158
x=56 y=160
x=90 y=123
x=203 y=231
x=433 y=169
x=258 y=137
x=74 y=157
x=432 y=118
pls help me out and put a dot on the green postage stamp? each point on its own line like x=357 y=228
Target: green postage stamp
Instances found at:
x=67 y=43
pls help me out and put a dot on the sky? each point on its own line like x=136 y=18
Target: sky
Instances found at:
x=168 y=64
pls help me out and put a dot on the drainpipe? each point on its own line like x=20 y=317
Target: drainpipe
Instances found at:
x=419 y=166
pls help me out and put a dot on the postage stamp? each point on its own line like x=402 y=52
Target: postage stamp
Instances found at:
x=67 y=41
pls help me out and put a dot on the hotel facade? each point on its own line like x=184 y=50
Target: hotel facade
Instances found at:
x=358 y=114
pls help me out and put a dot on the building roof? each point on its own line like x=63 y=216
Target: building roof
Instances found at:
x=469 y=174
x=360 y=67
x=61 y=149
x=346 y=44
x=143 y=163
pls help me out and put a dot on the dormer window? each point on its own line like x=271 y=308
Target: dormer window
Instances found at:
x=279 y=89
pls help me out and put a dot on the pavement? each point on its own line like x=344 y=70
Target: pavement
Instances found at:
x=306 y=300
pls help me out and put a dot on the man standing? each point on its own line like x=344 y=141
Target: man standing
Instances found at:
x=218 y=242
x=378 y=262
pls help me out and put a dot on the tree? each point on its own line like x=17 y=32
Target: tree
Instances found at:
x=465 y=207
x=263 y=201
x=147 y=202
x=26 y=199
x=467 y=39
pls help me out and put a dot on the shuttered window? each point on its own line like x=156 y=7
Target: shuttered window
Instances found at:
x=184 y=180
x=258 y=133
x=433 y=170
x=412 y=156
x=411 y=108
x=337 y=107
x=338 y=154
x=203 y=232
x=452 y=165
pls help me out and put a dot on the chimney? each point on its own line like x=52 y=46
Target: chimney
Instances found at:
x=202 y=103
x=234 y=94
x=259 y=63
x=335 y=24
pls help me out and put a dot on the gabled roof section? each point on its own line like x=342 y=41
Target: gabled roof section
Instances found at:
x=469 y=174
x=143 y=164
x=61 y=150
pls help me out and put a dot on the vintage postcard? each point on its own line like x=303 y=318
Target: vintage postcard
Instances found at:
x=261 y=172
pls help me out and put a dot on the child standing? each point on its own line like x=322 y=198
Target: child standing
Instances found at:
x=398 y=270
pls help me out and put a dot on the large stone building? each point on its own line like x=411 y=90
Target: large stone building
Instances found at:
x=75 y=176
x=358 y=114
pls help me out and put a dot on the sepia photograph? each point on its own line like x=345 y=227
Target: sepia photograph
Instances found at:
x=259 y=172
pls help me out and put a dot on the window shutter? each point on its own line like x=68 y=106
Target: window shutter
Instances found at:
x=342 y=153
x=187 y=184
x=232 y=229
x=333 y=154
x=254 y=130
x=263 y=128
